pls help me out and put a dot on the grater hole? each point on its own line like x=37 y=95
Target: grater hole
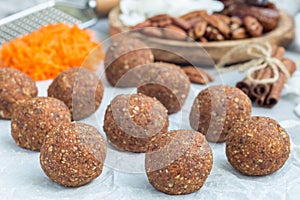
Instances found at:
x=33 y=22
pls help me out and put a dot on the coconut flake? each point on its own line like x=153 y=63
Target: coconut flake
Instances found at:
x=136 y=11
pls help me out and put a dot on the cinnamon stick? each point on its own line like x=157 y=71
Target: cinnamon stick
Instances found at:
x=245 y=86
x=268 y=95
x=254 y=91
x=261 y=91
x=277 y=87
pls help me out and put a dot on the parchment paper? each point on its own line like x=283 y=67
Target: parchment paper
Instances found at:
x=124 y=178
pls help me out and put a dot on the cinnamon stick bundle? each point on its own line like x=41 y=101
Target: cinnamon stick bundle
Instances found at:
x=268 y=95
x=276 y=88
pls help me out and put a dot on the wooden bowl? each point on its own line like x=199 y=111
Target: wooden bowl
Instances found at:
x=185 y=52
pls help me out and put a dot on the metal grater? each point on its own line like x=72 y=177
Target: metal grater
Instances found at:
x=49 y=12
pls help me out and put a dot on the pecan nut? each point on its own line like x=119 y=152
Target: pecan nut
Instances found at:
x=152 y=31
x=269 y=18
x=239 y=33
x=213 y=34
x=198 y=75
x=235 y=23
x=224 y=18
x=194 y=14
x=161 y=20
x=216 y=22
x=143 y=24
x=200 y=28
x=173 y=32
x=181 y=23
x=253 y=26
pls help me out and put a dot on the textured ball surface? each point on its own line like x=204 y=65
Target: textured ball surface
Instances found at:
x=132 y=122
x=73 y=154
x=80 y=89
x=33 y=119
x=166 y=82
x=14 y=86
x=179 y=162
x=216 y=109
x=257 y=146
x=122 y=56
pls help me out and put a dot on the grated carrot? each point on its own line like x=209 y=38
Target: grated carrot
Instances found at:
x=44 y=53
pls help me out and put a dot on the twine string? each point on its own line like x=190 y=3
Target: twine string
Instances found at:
x=261 y=58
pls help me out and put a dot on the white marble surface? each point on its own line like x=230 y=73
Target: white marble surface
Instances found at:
x=22 y=178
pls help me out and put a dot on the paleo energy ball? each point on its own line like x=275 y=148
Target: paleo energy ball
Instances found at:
x=257 y=146
x=179 y=162
x=73 y=154
x=216 y=109
x=122 y=56
x=167 y=83
x=33 y=119
x=132 y=122
x=80 y=89
x=14 y=86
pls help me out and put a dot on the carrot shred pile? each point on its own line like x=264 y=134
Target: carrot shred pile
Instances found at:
x=44 y=53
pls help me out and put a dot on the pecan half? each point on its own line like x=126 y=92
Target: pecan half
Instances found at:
x=239 y=33
x=214 y=21
x=269 y=18
x=193 y=22
x=161 y=20
x=198 y=75
x=173 y=32
x=194 y=14
x=200 y=28
x=158 y=18
x=236 y=20
x=143 y=24
x=253 y=26
x=213 y=34
x=181 y=23
x=152 y=31
x=225 y=19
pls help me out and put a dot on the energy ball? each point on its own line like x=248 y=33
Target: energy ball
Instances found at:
x=73 y=154
x=216 y=109
x=122 y=56
x=14 y=86
x=132 y=122
x=167 y=83
x=257 y=146
x=179 y=162
x=33 y=119
x=80 y=89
